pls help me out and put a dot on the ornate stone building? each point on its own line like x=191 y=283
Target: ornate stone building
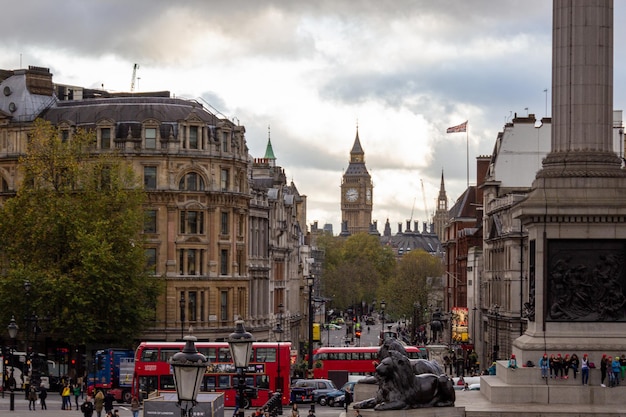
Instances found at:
x=222 y=231
x=356 y=193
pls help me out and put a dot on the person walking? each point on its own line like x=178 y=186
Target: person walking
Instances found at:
x=108 y=402
x=87 y=407
x=66 y=404
x=43 y=394
x=135 y=406
x=76 y=392
x=32 y=398
x=98 y=403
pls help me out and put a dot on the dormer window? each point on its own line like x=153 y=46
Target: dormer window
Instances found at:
x=193 y=137
x=150 y=137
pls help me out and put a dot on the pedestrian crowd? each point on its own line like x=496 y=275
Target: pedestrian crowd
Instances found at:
x=556 y=366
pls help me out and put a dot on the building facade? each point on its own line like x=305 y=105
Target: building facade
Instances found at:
x=222 y=230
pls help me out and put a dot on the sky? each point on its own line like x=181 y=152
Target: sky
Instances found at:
x=308 y=73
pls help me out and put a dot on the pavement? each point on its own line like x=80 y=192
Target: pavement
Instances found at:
x=54 y=407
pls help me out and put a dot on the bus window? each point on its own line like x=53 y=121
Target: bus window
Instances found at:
x=209 y=383
x=265 y=355
x=224 y=355
x=149 y=355
x=224 y=381
x=166 y=354
x=167 y=382
x=210 y=353
x=147 y=384
x=262 y=381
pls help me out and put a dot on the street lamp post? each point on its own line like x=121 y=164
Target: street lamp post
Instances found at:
x=181 y=303
x=12 y=328
x=189 y=367
x=310 y=281
x=496 y=346
x=278 y=331
x=382 y=313
x=240 y=343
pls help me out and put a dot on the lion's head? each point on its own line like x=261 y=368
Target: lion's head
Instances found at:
x=388 y=345
x=396 y=370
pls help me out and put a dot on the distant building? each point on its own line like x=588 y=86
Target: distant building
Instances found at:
x=357 y=190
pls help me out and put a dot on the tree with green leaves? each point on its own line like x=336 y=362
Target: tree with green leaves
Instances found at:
x=409 y=285
x=74 y=231
x=355 y=268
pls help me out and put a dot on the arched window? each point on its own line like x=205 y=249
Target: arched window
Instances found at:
x=191 y=182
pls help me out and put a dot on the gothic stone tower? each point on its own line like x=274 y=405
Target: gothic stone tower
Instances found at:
x=575 y=214
x=356 y=193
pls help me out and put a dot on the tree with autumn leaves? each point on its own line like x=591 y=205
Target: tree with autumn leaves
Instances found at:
x=74 y=231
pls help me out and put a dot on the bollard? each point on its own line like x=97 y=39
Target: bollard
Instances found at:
x=12 y=402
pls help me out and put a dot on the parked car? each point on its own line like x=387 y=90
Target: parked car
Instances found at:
x=311 y=390
x=338 y=397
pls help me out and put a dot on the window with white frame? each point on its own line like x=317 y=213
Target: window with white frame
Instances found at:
x=151 y=137
x=105 y=138
x=193 y=137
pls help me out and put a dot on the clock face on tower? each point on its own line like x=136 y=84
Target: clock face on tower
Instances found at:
x=352 y=195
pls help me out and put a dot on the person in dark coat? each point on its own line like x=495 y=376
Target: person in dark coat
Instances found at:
x=108 y=402
x=87 y=407
x=43 y=394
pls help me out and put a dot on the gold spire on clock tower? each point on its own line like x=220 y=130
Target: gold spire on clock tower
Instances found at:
x=356 y=193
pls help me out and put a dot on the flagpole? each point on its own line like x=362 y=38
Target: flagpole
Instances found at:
x=467 y=152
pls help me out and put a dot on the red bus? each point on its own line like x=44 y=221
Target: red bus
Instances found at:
x=268 y=371
x=356 y=360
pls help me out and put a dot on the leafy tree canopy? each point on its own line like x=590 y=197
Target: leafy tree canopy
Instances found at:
x=354 y=268
x=74 y=232
x=409 y=285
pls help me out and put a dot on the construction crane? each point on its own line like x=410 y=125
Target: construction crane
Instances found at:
x=425 y=204
x=132 y=81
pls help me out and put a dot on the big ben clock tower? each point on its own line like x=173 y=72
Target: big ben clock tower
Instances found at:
x=356 y=192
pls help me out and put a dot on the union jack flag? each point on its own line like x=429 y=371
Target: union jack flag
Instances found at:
x=459 y=128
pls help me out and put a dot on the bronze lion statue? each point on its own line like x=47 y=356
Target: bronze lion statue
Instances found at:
x=399 y=388
x=420 y=366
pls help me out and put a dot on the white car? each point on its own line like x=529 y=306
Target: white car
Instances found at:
x=332 y=326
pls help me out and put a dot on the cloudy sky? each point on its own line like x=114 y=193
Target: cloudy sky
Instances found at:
x=403 y=70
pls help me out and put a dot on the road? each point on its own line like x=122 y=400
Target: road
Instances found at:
x=54 y=409
x=338 y=337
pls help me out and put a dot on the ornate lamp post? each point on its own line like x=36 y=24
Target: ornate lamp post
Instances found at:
x=12 y=328
x=496 y=346
x=278 y=331
x=181 y=303
x=189 y=367
x=310 y=280
x=240 y=343
x=383 y=304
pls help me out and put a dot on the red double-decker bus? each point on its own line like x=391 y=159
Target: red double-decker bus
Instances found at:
x=355 y=360
x=267 y=373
